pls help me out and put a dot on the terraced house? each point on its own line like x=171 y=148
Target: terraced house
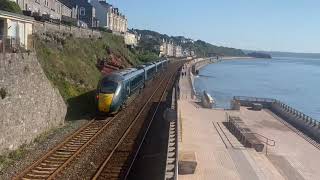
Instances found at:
x=53 y=9
x=110 y=17
x=86 y=13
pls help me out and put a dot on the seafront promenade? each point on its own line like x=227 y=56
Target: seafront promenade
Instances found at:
x=204 y=139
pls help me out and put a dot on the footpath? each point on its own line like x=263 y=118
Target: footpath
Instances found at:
x=206 y=144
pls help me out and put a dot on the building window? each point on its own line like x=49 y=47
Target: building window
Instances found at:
x=82 y=11
x=46 y=2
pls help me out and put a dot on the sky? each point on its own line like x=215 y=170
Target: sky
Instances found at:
x=271 y=25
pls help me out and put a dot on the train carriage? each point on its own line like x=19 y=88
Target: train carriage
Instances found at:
x=114 y=89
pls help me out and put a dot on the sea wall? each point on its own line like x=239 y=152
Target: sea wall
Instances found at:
x=299 y=120
x=304 y=123
x=195 y=65
x=29 y=104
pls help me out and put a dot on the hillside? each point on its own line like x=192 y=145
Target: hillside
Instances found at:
x=151 y=41
x=71 y=64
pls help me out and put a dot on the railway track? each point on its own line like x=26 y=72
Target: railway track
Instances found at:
x=55 y=162
x=59 y=157
x=120 y=160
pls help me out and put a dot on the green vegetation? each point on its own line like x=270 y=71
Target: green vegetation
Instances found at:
x=70 y=64
x=3 y=93
x=7 y=5
x=10 y=157
x=151 y=41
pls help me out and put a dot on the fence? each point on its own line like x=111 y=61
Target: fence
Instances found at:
x=47 y=27
x=10 y=44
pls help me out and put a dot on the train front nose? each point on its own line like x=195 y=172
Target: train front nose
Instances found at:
x=105 y=101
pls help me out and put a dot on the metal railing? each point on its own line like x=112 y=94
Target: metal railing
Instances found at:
x=284 y=106
x=10 y=44
x=298 y=114
x=267 y=140
x=253 y=99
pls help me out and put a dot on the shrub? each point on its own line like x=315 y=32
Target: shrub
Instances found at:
x=3 y=93
x=7 y=5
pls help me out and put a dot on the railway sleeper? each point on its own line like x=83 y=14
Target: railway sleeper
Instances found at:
x=49 y=165
x=60 y=155
x=52 y=162
x=74 y=145
x=44 y=176
x=63 y=152
x=45 y=172
x=68 y=149
x=57 y=158
x=40 y=168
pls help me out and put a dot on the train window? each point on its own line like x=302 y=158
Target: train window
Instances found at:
x=136 y=81
x=108 y=87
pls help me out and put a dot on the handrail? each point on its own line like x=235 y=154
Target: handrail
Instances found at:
x=265 y=142
x=266 y=138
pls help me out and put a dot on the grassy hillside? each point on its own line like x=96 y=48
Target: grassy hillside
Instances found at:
x=70 y=64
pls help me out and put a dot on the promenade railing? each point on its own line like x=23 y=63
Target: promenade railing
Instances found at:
x=284 y=106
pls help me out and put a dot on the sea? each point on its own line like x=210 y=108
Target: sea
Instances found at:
x=294 y=81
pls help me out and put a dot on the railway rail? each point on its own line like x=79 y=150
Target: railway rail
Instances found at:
x=120 y=160
x=59 y=157
x=57 y=160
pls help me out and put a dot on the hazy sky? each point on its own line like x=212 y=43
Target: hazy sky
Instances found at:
x=281 y=25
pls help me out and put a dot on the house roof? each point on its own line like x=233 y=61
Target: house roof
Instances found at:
x=15 y=16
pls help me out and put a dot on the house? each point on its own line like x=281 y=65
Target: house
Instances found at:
x=177 y=51
x=15 y=31
x=102 y=9
x=131 y=38
x=85 y=11
x=53 y=9
x=117 y=22
x=110 y=17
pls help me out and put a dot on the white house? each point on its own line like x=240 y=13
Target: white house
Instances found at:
x=15 y=30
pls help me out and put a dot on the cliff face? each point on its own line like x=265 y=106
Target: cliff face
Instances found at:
x=29 y=104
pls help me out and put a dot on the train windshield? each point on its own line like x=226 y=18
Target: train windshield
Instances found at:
x=108 y=87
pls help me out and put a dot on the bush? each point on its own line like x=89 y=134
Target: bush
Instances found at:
x=7 y=5
x=3 y=93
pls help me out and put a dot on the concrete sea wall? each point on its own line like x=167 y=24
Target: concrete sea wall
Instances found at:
x=299 y=120
x=29 y=104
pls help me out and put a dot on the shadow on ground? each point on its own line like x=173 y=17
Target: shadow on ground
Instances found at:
x=81 y=107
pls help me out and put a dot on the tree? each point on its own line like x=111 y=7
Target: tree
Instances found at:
x=7 y=5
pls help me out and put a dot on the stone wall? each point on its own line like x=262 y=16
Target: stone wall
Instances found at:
x=29 y=105
x=46 y=27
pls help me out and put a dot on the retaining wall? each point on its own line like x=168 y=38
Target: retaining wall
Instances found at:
x=46 y=27
x=31 y=105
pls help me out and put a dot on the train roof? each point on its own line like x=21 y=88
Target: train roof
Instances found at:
x=123 y=74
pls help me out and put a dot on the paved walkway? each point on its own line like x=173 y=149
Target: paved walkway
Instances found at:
x=220 y=155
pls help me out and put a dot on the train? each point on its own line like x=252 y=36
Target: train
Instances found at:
x=114 y=89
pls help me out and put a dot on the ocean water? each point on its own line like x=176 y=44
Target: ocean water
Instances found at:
x=294 y=81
